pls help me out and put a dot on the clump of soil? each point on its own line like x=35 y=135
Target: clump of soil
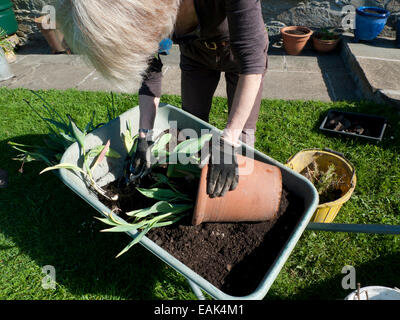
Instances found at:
x=327 y=182
x=297 y=32
x=341 y=123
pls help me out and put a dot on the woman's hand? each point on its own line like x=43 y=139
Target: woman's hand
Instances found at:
x=222 y=175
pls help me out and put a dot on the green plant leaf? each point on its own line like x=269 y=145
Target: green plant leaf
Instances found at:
x=125 y=228
x=161 y=207
x=22 y=145
x=67 y=137
x=111 y=153
x=38 y=155
x=77 y=133
x=193 y=145
x=64 y=166
x=162 y=194
x=60 y=140
x=59 y=125
x=159 y=146
x=128 y=141
x=136 y=240
x=168 y=223
x=106 y=221
x=162 y=179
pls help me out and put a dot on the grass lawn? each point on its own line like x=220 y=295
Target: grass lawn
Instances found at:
x=43 y=223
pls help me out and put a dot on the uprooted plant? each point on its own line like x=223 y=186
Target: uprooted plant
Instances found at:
x=170 y=204
x=327 y=182
x=63 y=133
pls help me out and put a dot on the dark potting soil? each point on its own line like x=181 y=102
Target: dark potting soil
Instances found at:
x=234 y=257
x=297 y=32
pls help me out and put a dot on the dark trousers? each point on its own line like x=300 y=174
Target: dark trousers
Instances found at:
x=201 y=71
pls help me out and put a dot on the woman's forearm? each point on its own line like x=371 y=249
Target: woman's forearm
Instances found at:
x=243 y=102
x=148 y=108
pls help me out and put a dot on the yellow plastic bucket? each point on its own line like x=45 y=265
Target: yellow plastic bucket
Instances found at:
x=326 y=212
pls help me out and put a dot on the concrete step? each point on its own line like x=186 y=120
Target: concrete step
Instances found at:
x=306 y=77
x=375 y=68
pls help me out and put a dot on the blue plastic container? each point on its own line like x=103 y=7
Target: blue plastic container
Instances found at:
x=369 y=25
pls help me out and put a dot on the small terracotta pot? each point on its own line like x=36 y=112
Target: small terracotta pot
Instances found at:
x=295 y=39
x=256 y=198
x=324 y=45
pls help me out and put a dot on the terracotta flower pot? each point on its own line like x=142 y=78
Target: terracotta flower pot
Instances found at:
x=324 y=45
x=256 y=198
x=295 y=39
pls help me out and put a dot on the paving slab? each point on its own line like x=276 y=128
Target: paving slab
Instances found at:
x=307 y=77
x=375 y=68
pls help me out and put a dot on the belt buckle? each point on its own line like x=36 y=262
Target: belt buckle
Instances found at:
x=214 y=45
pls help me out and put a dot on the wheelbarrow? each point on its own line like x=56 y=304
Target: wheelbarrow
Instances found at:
x=111 y=169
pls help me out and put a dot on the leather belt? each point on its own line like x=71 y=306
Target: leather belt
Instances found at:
x=211 y=45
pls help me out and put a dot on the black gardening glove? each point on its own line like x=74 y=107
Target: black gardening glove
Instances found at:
x=222 y=173
x=140 y=165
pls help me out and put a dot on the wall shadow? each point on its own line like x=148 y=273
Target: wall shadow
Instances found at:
x=337 y=79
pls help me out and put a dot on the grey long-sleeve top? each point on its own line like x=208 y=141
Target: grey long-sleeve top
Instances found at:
x=238 y=21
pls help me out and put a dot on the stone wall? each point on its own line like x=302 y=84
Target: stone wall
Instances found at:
x=321 y=13
x=26 y=11
x=277 y=13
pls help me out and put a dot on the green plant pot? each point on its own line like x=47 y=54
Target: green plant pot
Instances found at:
x=8 y=22
x=109 y=170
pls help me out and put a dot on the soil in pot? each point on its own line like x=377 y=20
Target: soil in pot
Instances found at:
x=295 y=38
x=297 y=32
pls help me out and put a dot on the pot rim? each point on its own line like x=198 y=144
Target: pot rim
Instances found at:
x=316 y=35
x=315 y=38
x=381 y=13
x=308 y=30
